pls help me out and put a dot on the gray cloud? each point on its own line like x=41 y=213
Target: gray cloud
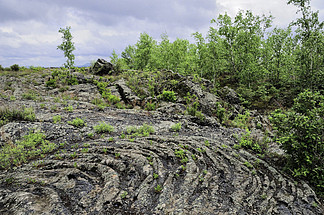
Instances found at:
x=29 y=29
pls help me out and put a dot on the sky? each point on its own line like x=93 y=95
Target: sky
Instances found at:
x=29 y=28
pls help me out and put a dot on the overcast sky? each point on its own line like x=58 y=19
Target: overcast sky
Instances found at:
x=29 y=28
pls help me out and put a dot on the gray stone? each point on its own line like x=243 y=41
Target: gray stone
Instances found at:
x=102 y=67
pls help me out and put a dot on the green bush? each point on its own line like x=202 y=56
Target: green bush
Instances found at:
x=103 y=128
x=57 y=119
x=176 y=127
x=29 y=147
x=77 y=122
x=300 y=135
x=14 y=67
x=143 y=131
x=12 y=114
x=168 y=96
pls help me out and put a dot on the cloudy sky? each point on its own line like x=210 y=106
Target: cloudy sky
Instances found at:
x=29 y=28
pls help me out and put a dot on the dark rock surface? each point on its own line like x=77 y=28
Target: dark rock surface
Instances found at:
x=102 y=67
x=109 y=174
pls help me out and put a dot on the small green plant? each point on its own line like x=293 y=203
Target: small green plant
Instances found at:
x=176 y=127
x=248 y=165
x=247 y=142
x=12 y=98
x=117 y=155
x=192 y=106
x=207 y=143
x=103 y=128
x=53 y=108
x=242 y=120
x=180 y=154
x=142 y=131
x=158 y=188
x=42 y=105
x=105 y=150
x=73 y=155
x=264 y=196
x=77 y=122
x=57 y=119
x=85 y=150
x=30 y=95
x=69 y=108
x=168 y=96
x=124 y=195
x=150 y=106
x=90 y=135
x=155 y=175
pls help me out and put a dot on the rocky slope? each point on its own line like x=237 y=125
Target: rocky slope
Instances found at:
x=160 y=168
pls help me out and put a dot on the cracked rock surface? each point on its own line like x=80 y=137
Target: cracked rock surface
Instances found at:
x=192 y=171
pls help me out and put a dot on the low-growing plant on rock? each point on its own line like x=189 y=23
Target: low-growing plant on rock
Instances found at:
x=57 y=119
x=77 y=122
x=158 y=188
x=103 y=128
x=142 y=131
x=30 y=146
x=168 y=96
x=16 y=114
x=176 y=127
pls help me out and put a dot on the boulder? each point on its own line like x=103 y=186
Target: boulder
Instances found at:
x=102 y=67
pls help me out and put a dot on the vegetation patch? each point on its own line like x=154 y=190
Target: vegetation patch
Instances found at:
x=103 y=128
x=29 y=147
x=77 y=122
x=15 y=114
x=142 y=131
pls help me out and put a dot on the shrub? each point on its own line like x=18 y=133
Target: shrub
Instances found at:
x=168 y=96
x=176 y=127
x=14 y=67
x=103 y=128
x=143 y=131
x=77 y=122
x=12 y=114
x=57 y=119
x=29 y=147
x=300 y=135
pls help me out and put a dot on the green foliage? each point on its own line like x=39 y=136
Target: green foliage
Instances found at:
x=158 y=188
x=67 y=46
x=13 y=114
x=30 y=146
x=247 y=142
x=300 y=134
x=105 y=92
x=57 y=119
x=150 y=106
x=142 y=131
x=176 y=127
x=30 y=95
x=103 y=128
x=77 y=122
x=69 y=108
x=14 y=67
x=192 y=106
x=242 y=120
x=168 y=96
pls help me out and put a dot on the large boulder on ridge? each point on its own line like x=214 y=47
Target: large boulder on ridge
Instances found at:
x=102 y=67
